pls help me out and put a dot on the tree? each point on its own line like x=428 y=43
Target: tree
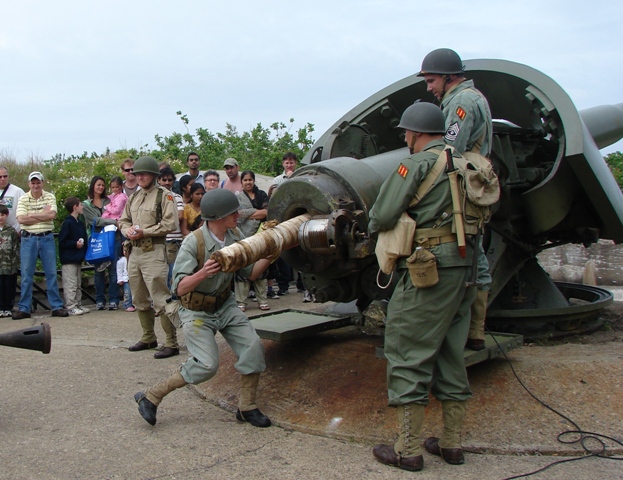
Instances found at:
x=260 y=150
x=615 y=162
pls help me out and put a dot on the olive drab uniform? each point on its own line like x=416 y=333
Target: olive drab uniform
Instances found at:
x=147 y=263
x=468 y=119
x=426 y=327
x=469 y=128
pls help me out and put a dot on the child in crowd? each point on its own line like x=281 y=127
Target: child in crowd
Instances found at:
x=9 y=263
x=118 y=199
x=123 y=281
x=72 y=250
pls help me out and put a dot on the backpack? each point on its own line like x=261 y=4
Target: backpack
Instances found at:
x=478 y=184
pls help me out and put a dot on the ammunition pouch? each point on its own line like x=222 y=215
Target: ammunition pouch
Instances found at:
x=199 y=302
x=147 y=244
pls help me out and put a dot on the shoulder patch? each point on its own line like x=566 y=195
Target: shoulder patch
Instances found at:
x=452 y=133
x=403 y=171
x=170 y=197
x=461 y=113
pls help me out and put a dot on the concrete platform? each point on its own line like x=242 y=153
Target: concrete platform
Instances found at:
x=70 y=414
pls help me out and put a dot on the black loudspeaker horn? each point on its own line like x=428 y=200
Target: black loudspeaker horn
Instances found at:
x=34 y=338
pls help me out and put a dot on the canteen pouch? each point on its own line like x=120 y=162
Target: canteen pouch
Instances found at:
x=422 y=267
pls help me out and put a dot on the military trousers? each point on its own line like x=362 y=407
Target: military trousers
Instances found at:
x=200 y=329
x=425 y=337
x=147 y=273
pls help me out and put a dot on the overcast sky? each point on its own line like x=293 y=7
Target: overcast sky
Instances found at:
x=86 y=75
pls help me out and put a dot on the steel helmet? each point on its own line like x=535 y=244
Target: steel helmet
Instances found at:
x=423 y=117
x=146 y=165
x=442 y=61
x=218 y=203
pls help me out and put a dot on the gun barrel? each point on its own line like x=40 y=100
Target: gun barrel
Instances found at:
x=604 y=123
x=34 y=338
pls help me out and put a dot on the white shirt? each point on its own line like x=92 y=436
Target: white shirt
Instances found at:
x=10 y=199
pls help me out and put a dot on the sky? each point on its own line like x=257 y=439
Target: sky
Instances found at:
x=90 y=75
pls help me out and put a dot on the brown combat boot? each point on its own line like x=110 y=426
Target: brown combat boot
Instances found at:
x=407 y=451
x=448 y=446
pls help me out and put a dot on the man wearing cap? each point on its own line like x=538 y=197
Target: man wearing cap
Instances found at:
x=208 y=307
x=35 y=213
x=148 y=217
x=468 y=128
x=10 y=196
x=233 y=182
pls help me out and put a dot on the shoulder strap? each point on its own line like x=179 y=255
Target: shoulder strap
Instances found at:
x=201 y=248
x=430 y=179
x=159 y=205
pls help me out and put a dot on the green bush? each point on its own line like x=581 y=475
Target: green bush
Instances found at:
x=615 y=162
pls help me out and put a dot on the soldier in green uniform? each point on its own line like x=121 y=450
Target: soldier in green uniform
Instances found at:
x=468 y=128
x=426 y=327
x=148 y=216
x=208 y=307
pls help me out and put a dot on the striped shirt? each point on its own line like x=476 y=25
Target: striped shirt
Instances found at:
x=28 y=205
x=177 y=234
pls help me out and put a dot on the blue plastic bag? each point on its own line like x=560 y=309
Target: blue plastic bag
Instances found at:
x=101 y=247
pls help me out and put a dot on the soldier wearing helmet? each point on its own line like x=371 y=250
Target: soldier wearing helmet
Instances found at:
x=426 y=325
x=468 y=128
x=148 y=217
x=468 y=117
x=207 y=307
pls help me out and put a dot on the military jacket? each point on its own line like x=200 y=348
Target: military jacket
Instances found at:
x=141 y=210
x=186 y=262
x=468 y=116
x=399 y=189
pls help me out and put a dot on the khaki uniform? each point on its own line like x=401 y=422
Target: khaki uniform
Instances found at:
x=147 y=263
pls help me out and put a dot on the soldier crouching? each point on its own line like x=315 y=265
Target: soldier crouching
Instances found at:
x=208 y=307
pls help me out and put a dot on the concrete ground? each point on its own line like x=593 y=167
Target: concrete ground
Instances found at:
x=70 y=414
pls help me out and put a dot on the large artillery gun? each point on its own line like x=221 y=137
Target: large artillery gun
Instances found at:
x=556 y=189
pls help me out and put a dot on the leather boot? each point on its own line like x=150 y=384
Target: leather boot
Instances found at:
x=476 y=336
x=149 y=400
x=148 y=320
x=407 y=451
x=449 y=445
x=247 y=408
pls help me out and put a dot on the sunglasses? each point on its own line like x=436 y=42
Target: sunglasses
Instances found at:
x=4 y=176
x=128 y=169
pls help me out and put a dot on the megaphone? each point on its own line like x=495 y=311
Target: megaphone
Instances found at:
x=35 y=338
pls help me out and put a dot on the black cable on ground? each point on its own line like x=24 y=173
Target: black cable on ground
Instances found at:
x=580 y=436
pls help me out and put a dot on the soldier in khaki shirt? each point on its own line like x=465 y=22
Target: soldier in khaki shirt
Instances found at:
x=149 y=215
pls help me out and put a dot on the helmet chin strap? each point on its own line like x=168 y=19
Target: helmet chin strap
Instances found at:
x=411 y=143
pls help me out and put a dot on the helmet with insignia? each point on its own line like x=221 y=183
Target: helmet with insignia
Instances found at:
x=146 y=165
x=423 y=117
x=442 y=61
x=218 y=203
